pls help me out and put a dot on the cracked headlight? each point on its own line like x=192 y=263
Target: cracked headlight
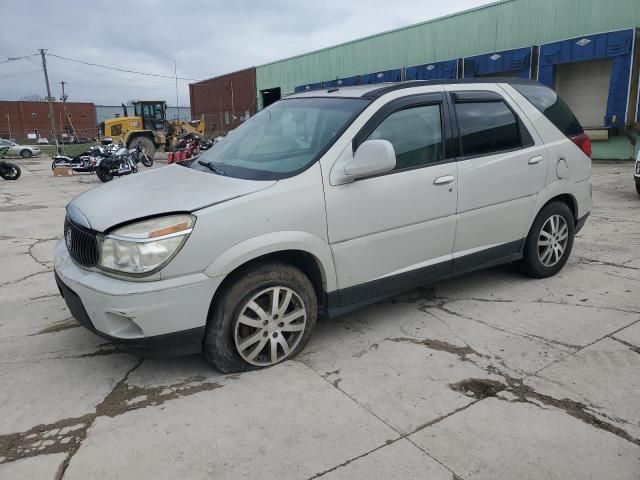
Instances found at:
x=142 y=247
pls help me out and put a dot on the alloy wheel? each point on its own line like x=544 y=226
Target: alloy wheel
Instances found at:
x=270 y=326
x=552 y=240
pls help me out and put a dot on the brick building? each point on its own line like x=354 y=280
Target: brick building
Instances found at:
x=225 y=101
x=18 y=119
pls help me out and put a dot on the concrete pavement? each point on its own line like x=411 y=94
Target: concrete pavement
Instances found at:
x=487 y=376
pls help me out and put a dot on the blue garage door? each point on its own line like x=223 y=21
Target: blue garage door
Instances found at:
x=512 y=63
x=308 y=87
x=615 y=45
x=433 y=71
x=383 y=76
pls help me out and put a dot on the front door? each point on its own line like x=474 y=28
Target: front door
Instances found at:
x=392 y=231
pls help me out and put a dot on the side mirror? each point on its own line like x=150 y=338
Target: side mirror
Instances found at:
x=371 y=158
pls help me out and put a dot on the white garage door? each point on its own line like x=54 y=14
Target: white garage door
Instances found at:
x=585 y=88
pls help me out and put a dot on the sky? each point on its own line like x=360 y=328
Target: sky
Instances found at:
x=205 y=38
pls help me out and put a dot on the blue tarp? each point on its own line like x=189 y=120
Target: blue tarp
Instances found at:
x=342 y=82
x=518 y=60
x=433 y=71
x=309 y=86
x=616 y=45
x=383 y=76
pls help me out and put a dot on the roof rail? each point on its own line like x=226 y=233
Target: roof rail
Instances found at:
x=378 y=92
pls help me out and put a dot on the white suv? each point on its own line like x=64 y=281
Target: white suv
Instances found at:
x=321 y=203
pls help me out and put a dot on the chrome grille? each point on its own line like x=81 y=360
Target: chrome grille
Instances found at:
x=81 y=244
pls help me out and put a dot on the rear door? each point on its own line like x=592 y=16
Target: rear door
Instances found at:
x=502 y=165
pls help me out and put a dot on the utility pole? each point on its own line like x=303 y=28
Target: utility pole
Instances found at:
x=49 y=98
x=233 y=109
x=64 y=111
x=8 y=117
x=175 y=72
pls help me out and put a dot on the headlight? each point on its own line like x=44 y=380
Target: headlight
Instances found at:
x=143 y=247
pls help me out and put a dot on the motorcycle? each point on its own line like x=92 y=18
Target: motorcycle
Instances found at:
x=8 y=170
x=86 y=162
x=122 y=162
x=188 y=147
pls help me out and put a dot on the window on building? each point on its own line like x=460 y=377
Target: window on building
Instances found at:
x=487 y=127
x=415 y=133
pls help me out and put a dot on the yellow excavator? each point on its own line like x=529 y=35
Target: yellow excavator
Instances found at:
x=149 y=127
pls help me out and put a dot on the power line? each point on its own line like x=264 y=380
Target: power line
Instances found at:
x=120 y=69
x=20 y=73
x=13 y=59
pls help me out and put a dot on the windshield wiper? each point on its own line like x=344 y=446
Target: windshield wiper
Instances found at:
x=211 y=167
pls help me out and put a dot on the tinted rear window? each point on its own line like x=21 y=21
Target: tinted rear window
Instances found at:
x=552 y=106
x=486 y=128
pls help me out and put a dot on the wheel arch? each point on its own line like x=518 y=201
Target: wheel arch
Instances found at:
x=563 y=191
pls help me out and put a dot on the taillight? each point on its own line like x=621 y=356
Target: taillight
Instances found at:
x=583 y=142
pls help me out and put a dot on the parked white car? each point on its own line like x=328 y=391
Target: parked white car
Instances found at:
x=24 y=151
x=321 y=203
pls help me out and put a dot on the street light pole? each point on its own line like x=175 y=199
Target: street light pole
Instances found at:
x=49 y=98
x=8 y=123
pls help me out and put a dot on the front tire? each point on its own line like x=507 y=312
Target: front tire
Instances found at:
x=549 y=242
x=148 y=146
x=265 y=315
x=104 y=174
x=25 y=153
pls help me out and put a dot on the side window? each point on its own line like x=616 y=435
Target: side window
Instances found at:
x=487 y=127
x=415 y=133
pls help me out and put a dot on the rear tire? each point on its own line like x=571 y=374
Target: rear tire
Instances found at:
x=10 y=171
x=147 y=146
x=248 y=329
x=25 y=153
x=549 y=242
x=104 y=174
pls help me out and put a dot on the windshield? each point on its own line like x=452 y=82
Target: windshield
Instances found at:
x=281 y=140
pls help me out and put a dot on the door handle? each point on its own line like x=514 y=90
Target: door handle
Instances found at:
x=446 y=180
x=536 y=160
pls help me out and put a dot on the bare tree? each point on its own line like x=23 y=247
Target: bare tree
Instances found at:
x=34 y=97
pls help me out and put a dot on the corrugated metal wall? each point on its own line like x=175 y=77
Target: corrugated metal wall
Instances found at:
x=499 y=26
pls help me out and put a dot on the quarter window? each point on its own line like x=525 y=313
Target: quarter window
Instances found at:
x=487 y=127
x=415 y=133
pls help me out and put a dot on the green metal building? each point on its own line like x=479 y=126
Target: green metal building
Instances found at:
x=586 y=49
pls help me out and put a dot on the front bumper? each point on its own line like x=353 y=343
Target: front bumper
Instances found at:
x=155 y=318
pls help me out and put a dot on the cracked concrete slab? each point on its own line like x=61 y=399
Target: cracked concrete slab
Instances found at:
x=605 y=377
x=630 y=335
x=405 y=384
x=400 y=459
x=498 y=440
x=244 y=427
x=44 y=467
x=566 y=327
x=44 y=392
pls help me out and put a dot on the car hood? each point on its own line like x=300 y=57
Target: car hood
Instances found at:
x=154 y=192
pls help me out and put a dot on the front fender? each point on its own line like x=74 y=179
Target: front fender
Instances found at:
x=261 y=245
